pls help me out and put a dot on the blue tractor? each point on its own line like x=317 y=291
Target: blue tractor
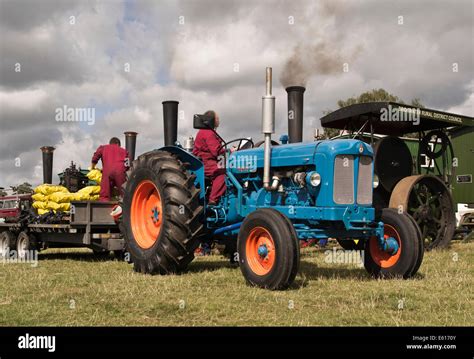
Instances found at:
x=277 y=195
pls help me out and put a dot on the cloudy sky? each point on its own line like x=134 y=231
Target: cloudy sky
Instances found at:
x=123 y=58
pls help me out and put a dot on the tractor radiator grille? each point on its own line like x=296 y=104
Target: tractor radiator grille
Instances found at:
x=344 y=179
x=364 y=182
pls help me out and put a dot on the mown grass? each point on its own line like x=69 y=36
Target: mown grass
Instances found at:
x=71 y=287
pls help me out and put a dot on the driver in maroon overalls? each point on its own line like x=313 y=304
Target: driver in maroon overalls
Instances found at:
x=113 y=167
x=209 y=149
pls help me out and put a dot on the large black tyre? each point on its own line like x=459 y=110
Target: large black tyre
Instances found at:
x=161 y=214
x=421 y=247
x=7 y=243
x=276 y=267
x=402 y=264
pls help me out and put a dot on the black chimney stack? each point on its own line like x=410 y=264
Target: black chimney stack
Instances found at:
x=130 y=144
x=170 y=122
x=47 y=164
x=295 y=113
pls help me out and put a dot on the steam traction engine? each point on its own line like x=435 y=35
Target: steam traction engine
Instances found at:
x=275 y=196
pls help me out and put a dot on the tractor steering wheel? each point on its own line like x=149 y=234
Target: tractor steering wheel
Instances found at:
x=242 y=139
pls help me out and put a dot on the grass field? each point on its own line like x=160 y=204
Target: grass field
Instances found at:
x=71 y=287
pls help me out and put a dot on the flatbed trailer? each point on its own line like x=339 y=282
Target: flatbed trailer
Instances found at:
x=90 y=225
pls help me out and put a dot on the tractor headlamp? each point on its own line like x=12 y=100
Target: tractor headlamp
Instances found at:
x=376 y=181
x=314 y=179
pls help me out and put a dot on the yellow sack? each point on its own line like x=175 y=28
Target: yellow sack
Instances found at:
x=94 y=197
x=40 y=197
x=60 y=197
x=47 y=189
x=53 y=205
x=89 y=190
x=63 y=207
x=79 y=196
x=42 y=211
x=95 y=175
x=39 y=205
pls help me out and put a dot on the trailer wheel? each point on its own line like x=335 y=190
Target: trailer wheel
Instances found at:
x=25 y=243
x=403 y=263
x=7 y=243
x=268 y=249
x=161 y=214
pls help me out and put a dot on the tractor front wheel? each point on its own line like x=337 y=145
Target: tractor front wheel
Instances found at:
x=268 y=249
x=405 y=261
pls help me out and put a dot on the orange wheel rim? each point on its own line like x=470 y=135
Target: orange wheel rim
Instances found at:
x=146 y=214
x=260 y=251
x=382 y=258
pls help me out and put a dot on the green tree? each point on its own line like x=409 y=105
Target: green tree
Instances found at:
x=24 y=188
x=2 y=192
x=375 y=95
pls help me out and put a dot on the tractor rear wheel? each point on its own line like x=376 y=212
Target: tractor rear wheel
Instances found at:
x=406 y=260
x=161 y=214
x=268 y=249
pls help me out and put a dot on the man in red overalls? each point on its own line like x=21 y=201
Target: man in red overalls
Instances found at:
x=209 y=149
x=113 y=167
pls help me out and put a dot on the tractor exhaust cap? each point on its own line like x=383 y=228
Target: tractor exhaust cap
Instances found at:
x=130 y=144
x=170 y=122
x=47 y=163
x=295 y=113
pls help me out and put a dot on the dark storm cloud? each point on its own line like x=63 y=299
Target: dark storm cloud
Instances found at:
x=40 y=61
x=22 y=15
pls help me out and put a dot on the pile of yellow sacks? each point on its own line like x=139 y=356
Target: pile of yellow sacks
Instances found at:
x=49 y=197
x=95 y=175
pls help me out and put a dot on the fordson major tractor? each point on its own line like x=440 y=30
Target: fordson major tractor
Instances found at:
x=276 y=195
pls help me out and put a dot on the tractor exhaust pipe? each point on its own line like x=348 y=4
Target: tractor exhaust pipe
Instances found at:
x=47 y=164
x=130 y=144
x=295 y=113
x=268 y=127
x=170 y=122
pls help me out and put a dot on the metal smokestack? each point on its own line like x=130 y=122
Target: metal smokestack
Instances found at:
x=268 y=127
x=47 y=164
x=170 y=122
x=130 y=144
x=295 y=113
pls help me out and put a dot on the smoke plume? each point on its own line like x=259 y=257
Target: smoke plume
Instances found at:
x=308 y=60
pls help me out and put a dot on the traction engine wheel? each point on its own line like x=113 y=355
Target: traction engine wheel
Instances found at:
x=428 y=201
x=405 y=261
x=268 y=249
x=161 y=219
